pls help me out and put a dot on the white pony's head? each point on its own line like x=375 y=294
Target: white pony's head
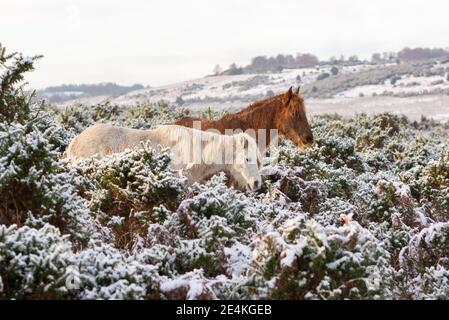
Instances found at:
x=246 y=162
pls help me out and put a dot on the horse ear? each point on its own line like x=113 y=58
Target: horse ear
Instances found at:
x=297 y=90
x=288 y=96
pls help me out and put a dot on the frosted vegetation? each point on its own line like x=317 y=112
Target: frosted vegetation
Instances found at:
x=361 y=215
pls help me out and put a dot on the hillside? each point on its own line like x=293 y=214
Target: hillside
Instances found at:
x=327 y=89
x=62 y=93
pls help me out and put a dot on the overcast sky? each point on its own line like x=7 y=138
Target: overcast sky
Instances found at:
x=160 y=42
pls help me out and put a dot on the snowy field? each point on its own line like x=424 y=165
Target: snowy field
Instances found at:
x=434 y=107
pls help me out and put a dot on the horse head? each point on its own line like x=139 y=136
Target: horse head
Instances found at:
x=291 y=119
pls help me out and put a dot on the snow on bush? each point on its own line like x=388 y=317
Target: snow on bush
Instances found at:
x=363 y=214
x=123 y=190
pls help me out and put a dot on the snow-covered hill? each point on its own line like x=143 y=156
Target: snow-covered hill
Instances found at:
x=415 y=89
x=218 y=90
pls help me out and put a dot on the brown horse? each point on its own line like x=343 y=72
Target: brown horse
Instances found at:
x=285 y=112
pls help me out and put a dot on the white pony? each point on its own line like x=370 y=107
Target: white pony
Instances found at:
x=195 y=154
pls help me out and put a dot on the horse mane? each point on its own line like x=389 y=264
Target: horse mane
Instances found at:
x=267 y=102
x=215 y=140
x=255 y=106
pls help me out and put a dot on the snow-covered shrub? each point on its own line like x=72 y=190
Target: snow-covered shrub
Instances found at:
x=14 y=103
x=75 y=118
x=428 y=248
x=34 y=182
x=304 y=260
x=124 y=189
x=328 y=148
x=36 y=187
x=78 y=117
x=210 y=219
x=104 y=272
x=432 y=285
x=105 y=111
x=34 y=263
x=430 y=183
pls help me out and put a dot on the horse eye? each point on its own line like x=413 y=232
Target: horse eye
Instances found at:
x=247 y=159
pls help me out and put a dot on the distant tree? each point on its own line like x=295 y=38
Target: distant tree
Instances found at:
x=280 y=60
x=270 y=93
x=289 y=61
x=314 y=89
x=298 y=78
x=447 y=77
x=217 y=70
x=392 y=56
x=306 y=60
x=258 y=64
x=408 y=54
x=234 y=70
x=354 y=58
x=334 y=70
x=376 y=58
x=277 y=63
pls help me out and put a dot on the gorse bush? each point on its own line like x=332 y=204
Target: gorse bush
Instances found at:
x=76 y=118
x=363 y=214
x=14 y=103
x=36 y=187
x=124 y=190
x=307 y=261
x=27 y=268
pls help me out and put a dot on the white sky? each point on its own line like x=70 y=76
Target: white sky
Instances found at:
x=159 y=42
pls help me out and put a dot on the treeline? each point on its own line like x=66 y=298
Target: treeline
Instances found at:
x=277 y=63
x=70 y=91
x=280 y=62
x=262 y=64
x=408 y=54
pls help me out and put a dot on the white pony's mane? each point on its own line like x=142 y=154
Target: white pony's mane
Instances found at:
x=213 y=143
